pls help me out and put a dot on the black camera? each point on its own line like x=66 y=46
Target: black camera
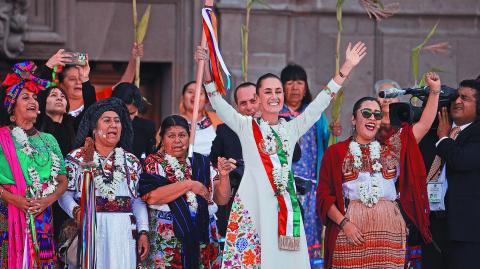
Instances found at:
x=409 y=113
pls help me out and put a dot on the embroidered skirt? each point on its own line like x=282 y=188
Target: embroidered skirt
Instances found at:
x=385 y=235
x=166 y=249
x=44 y=229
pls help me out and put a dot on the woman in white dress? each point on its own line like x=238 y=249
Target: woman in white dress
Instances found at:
x=265 y=227
x=120 y=214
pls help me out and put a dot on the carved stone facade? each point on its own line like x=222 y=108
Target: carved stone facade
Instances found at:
x=13 y=24
x=300 y=31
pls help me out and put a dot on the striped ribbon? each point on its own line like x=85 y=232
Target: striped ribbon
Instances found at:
x=289 y=209
x=88 y=220
x=31 y=251
x=217 y=64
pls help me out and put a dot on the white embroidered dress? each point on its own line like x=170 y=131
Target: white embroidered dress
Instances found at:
x=252 y=232
x=115 y=245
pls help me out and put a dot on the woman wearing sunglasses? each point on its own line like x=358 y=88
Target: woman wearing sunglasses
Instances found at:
x=364 y=179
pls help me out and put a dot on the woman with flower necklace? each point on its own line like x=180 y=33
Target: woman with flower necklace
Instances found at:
x=121 y=216
x=182 y=198
x=265 y=226
x=361 y=180
x=32 y=175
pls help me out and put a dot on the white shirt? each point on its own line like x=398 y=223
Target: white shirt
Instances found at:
x=76 y=112
x=387 y=186
x=442 y=179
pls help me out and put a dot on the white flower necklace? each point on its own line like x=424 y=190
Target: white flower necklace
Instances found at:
x=269 y=142
x=180 y=175
x=108 y=190
x=280 y=178
x=369 y=190
x=271 y=146
x=38 y=190
x=356 y=152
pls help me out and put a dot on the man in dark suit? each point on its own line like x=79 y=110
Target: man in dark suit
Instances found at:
x=459 y=148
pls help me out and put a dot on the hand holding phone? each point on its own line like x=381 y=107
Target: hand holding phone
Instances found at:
x=76 y=58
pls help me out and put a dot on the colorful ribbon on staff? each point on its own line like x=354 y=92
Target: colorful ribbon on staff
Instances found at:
x=217 y=64
x=88 y=220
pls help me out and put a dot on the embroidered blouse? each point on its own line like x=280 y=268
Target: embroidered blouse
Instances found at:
x=389 y=158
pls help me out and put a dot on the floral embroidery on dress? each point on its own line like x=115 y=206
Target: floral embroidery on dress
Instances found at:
x=165 y=248
x=242 y=244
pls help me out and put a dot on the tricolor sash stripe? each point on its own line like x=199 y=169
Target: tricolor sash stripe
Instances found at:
x=288 y=206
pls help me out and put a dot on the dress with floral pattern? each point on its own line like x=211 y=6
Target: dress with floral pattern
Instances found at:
x=165 y=248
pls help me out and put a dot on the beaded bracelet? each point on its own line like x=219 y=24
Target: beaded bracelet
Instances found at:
x=343 y=222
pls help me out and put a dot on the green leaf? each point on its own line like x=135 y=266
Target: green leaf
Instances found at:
x=415 y=56
x=143 y=25
x=423 y=82
x=244 y=33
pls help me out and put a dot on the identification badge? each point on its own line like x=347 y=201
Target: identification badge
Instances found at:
x=435 y=191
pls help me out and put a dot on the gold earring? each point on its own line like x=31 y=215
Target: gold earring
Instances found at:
x=12 y=118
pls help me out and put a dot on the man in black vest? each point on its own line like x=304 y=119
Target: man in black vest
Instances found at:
x=458 y=148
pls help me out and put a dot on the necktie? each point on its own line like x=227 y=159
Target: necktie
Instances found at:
x=435 y=170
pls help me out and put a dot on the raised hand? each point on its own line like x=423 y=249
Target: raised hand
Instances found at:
x=225 y=166
x=355 y=54
x=137 y=50
x=433 y=81
x=84 y=70
x=444 y=125
x=59 y=58
x=202 y=54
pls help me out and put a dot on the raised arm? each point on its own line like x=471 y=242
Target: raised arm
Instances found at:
x=225 y=111
x=421 y=128
x=129 y=74
x=313 y=112
x=223 y=189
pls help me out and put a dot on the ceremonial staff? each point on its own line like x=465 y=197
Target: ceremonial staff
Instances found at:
x=217 y=65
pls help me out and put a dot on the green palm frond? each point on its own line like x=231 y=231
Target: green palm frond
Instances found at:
x=415 y=56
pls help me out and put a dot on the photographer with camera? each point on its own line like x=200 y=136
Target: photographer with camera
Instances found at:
x=457 y=168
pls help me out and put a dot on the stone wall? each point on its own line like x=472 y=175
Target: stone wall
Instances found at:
x=304 y=32
x=299 y=31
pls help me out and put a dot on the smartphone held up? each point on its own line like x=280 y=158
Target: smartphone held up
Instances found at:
x=76 y=58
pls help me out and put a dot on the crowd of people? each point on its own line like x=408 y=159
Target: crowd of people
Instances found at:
x=263 y=187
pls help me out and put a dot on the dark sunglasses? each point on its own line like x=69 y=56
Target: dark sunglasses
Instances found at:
x=367 y=113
